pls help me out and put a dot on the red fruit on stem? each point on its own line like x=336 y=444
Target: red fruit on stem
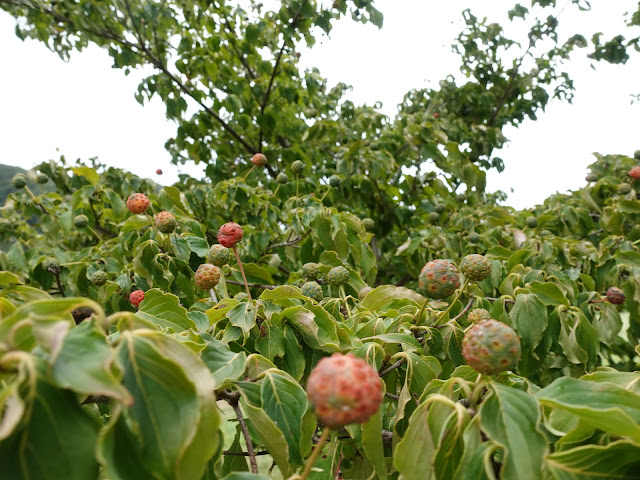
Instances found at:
x=259 y=160
x=616 y=296
x=137 y=203
x=343 y=390
x=229 y=234
x=436 y=115
x=635 y=172
x=136 y=297
x=159 y=171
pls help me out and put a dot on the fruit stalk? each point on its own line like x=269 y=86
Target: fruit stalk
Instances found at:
x=455 y=299
x=419 y=316
x=315 y=453
x=244 y=278
x=344 y=299
x=249 y=172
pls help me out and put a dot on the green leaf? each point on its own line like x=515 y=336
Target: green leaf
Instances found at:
x=616 y=460
x=511 y=418
x=243 y=316
x=372 y=443
x=549 y=293
x=602 y=405
x=8 y=278
x=88 y=173
x=529 y=317
x=165 y=311
x=225 y=365
x=317 y=327
x=245 y=476
x=384 y=295
x=58 y=440
x=286 y=403
x=94 y=373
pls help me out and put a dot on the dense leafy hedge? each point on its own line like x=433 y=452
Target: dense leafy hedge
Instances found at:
x=93 y=388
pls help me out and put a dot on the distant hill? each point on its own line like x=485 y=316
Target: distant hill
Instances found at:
x=6 y=174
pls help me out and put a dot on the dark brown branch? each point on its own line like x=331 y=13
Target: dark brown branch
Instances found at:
x=465 y=310
x=244 y=454
x=59 y=283
x=392 y=368
x=392 y=396
x=289 y=243
x=96 y=399
x=233 y=400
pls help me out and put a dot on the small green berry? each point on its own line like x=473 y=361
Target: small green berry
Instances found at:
x=42 y=178
x=80 y=221
x=313 y=290
x=218 y=255
x=335 y=181
x=434 y=217
x=297 y=167
x=282 y=178
x=478 y=314
x=624 y=188
x=368 y=224
x=532 y=222
x=475 y=267
x=338 y=276
x=310 y=271
x=441 y=207
x=99 y=278
x=19 y=181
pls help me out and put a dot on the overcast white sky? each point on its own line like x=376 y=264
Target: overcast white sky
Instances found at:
x=85 y=108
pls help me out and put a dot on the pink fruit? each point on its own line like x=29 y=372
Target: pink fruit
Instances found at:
x=137 y=202
x=136 y=297
x=229 y=234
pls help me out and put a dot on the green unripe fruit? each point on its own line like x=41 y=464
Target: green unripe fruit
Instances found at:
x=478 y=315
x=636 y=154
x=474 y=237
x=19 y=181
x=313 y=290
x=438 y=279
x=207 y=276
x=434 y=217
x=282 y=178
x=218 y=255
x=475 y=267
x=297 y=167
x=491 y=347
x=532 y=222
x=310 y=271
x=592 y=177
x=364 y=291
x=42 y=178
x=335 y=181
x=441 y=207
x=51 y=264
x=368 y=224
x=99 y=278
x=338 y=276
x=81 y=221
x=461 y=198
x=624 y=188
x=166 y=222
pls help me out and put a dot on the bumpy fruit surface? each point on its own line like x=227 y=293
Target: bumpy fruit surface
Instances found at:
x=282 y=178
x=635 y=172
x=137 y=203
x=259 y=160
x=532 y=222
x=475 y=267
x=51 y=264
x=297 y=167
x=229 y=234
x=636 y=154
x=207 y=276
x=166 y=222
x=491 y=347
x=338 y=276
x=218 y=255
x=615 y=296
x=19 y=181
x=80 y=221
x=478 y=314
x=313 y=290
x=310 y=271
x=99 y=278
x=368 y=224
x=438 y=279
x=335 y=181
x=136 y=297
x=343 y=390
x=624 y=188
x=434 y=217
x=42 y=178
x=441 y=207
x=592 y=177
x=364 y=291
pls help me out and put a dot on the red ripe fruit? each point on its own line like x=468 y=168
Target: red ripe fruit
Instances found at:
x=229 y=234
x=259 y=160
x=635 y=172
x=159 y=171
x=436 y=115
x=343 y=390
x=615 y=296
x=136 y=298
x=137 y=202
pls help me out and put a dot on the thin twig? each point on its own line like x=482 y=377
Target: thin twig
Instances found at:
x=392 y=368
x=244 y=454
x=233 y=400
x=256 y=285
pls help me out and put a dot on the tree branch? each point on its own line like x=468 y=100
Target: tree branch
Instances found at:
x=233 y=400
x=391 y=368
